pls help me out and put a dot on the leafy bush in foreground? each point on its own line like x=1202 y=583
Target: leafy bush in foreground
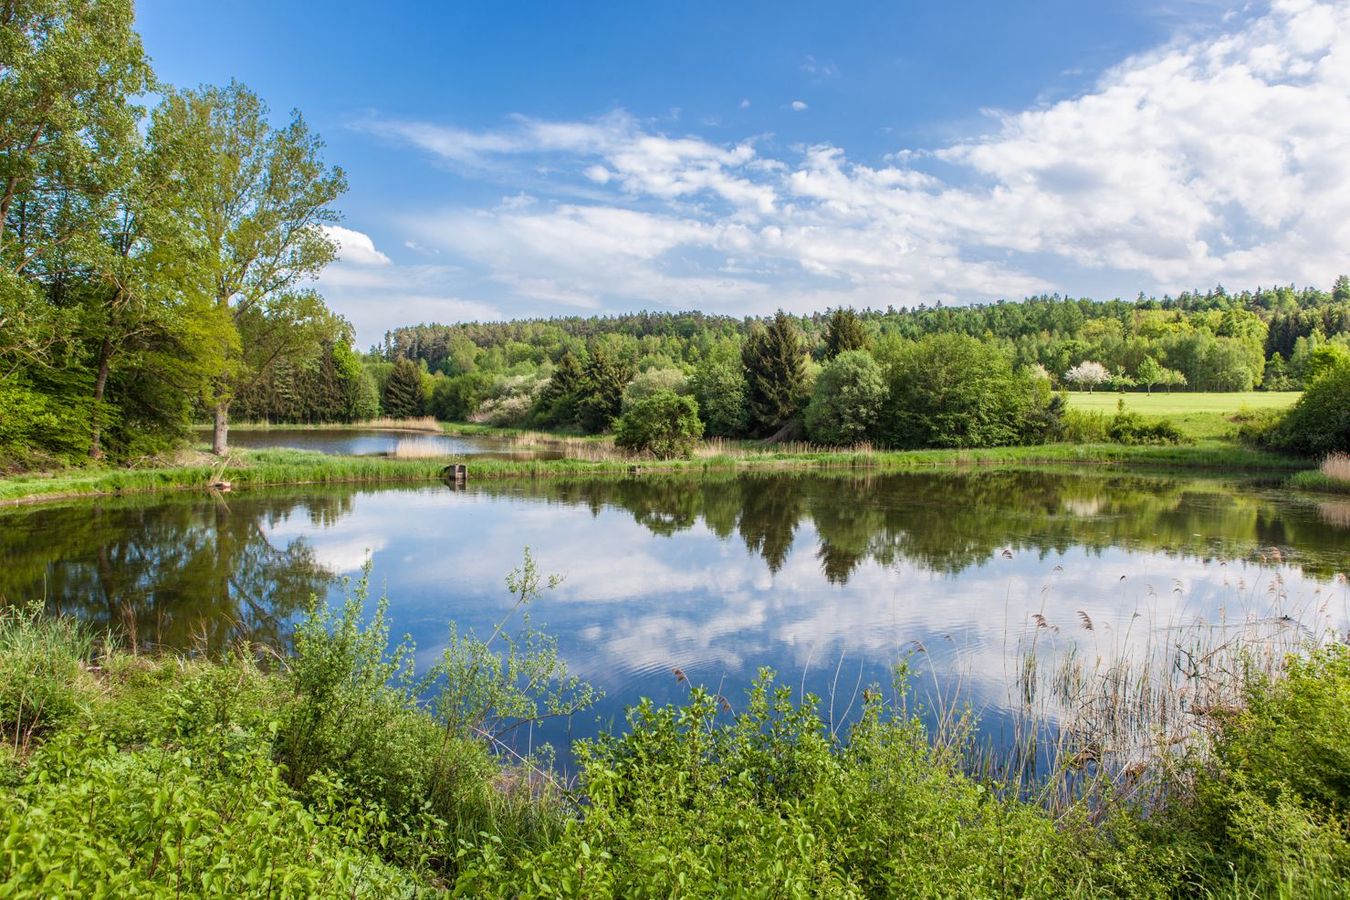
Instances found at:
x=1271 y=811
x=335 y=777
x=768 y=803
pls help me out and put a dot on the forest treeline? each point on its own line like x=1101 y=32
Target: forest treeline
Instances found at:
x=156 y=247
x=929 y=376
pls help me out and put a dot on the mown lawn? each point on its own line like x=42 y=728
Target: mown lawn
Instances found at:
x=1200 y=415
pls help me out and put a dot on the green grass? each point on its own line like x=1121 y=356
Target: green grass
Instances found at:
x=1317 y=481
x=255 y=468
x=1198 y=415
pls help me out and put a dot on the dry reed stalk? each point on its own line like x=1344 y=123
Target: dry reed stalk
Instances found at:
x=1114 y=712
x=419 y=448
x=422 y=423
x=1337 y=467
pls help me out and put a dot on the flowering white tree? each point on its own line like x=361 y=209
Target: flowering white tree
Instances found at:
x=1088 y=374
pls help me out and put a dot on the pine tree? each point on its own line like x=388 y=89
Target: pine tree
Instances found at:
x=843 y=332
x=775 y=373
x=600 y=398
x=403 y=392
x=558 y=400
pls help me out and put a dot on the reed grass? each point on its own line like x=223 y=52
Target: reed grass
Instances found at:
x=419 y=448
x=1337 y=467
x=1332 y=476
x=1101 y=713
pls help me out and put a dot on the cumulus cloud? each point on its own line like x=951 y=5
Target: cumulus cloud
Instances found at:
x=1215 y=158
x=798 y=105
x=355 y=247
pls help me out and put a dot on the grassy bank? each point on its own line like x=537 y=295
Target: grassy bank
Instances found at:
x=255 y=468
x=1331 y=477
x=1199 y=415
x=334 y=771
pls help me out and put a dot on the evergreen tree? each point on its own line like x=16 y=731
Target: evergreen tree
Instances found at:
x=843 y=332
x=775 y=373
x=558 y=401
x=403 y=392
x=600 y=398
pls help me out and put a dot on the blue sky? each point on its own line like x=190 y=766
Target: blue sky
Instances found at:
x=512 y=159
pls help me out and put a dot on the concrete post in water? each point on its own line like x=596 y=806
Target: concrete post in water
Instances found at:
x=456 y=474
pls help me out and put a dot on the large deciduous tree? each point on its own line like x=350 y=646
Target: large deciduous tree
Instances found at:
x=847 y=399
x=256 y=198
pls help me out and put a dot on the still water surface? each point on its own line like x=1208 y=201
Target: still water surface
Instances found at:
x=829 y=580
x=375 y=442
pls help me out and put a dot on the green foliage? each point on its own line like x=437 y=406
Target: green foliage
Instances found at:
x=38 y=427
x=455 y=398
x=483 y=688
x=774 y=360
x=664 y=424
x=558 y=400
x=600 y=397
x=767 y=802
x=718 y=384
x=1319 y=423
x=40 y=672
x=1271 y=810
x=847 y=399
x=956 y=391
x=654 y=381
x=403 y=391
x=1132 y=428
x=843 y=332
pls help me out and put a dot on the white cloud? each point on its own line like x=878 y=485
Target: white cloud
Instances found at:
x=355 y=247
x=377 y=298
x=798 y=105
x=1215 y=158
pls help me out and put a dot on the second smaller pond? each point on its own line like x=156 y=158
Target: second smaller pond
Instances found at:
x=379 y=442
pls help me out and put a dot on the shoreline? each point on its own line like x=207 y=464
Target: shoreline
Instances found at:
x=258 y=468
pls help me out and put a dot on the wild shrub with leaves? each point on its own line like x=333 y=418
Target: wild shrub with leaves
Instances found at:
x=1269 y=813
x=695 y=801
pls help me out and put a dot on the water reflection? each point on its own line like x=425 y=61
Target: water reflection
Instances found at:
x=377 y=442
x=187 y=574
x=829 y=579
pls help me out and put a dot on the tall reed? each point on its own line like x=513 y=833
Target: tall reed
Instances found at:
x=1337 y=467
x=1098 y=712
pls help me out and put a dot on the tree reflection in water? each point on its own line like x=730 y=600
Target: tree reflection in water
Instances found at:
x=170 y=571
x=194 y=572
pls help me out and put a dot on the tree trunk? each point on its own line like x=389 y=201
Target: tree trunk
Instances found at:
x=105 y=354
x=220 y=436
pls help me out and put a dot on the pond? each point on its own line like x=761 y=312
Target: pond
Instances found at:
x=377 y=442
x=829 y=580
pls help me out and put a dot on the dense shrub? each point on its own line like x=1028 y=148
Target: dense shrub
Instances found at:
x=1271 y=814
x=698 y=802
x=846 y=400
x=665 y=425
x=1132 y=428
x=951 y=390
x=1319 y=423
